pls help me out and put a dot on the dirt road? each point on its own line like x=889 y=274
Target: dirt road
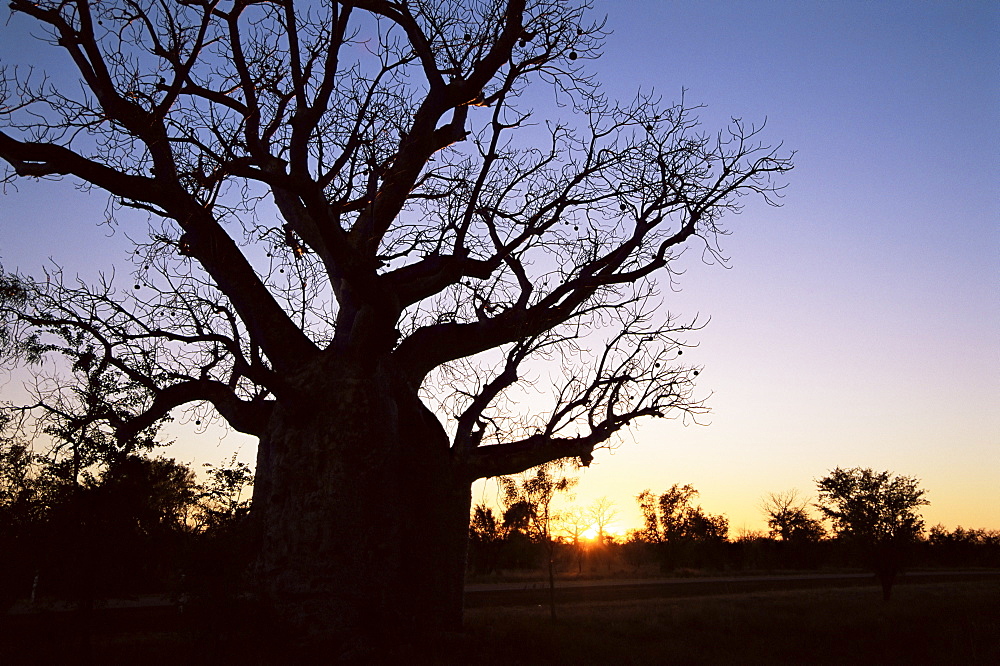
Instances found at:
x=525 y=594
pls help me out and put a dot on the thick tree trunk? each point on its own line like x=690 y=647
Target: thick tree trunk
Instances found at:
x=363 y=517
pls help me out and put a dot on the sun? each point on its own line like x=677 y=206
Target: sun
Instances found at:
x=589 y=534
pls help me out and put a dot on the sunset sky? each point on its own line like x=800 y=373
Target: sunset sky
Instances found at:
x=857 y=325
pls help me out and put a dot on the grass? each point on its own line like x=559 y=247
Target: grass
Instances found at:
x=943 y=623
x=927 y=623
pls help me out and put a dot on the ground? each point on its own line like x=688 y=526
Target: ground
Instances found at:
x=954 y=621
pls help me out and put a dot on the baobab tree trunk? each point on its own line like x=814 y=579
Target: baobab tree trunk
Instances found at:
x=363 y=517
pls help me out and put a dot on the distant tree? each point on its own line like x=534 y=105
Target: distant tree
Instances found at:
x=487 y=534
x=24 y=493
x=149 y=495
x=964 y=547
x=28 y=492
x=602 y=512
x=877 y=513
x=225 y=496
x=671 y=517
x=531 y=494
x=15 y=463
x=117 y=528
x=71 y=492
x=788 y=517
x=637 y=549
x=664 y=515
x=707 y=527
x=685 y=532
x=575 y=522
x=528 y=497
x=126 y=524
x=751 y=550
x=221 y=549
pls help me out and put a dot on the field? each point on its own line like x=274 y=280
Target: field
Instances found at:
x=944 y=623
x=926 y=622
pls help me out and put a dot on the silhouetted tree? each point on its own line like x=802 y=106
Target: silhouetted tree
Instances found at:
x=685 y=534
x=672 y=516
x=359 y=236
x=101 y=514
x=751 y=550
x=123 y=525
x=153 y=493
x=788 y=517
x=531 y=495
x=487 y=536
x=877 y=513
x=24 y=494
x=111 y=528
x=964 y=547
x=602 y=512
x=28 y=491
x=798 y=533
x=575 y=521
x=224 y=497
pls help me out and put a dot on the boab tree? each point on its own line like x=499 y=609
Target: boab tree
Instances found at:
x=602 y=512
x=361 y=239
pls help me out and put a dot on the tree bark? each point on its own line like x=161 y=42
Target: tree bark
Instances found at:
x=363 y=517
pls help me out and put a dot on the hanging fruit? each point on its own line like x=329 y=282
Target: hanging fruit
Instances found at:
x=184 y=246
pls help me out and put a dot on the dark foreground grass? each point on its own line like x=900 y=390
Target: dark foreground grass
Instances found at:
x=925 y=623
x=943 y=623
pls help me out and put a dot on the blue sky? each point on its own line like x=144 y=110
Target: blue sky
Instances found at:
x=859 y=324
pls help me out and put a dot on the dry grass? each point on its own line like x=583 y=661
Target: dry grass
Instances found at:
x=926 y=623
x=945 y=623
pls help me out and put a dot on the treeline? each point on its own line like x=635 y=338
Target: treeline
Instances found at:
x=679 y=538
x=130 y=525
x=749 y=551
x=136 y=523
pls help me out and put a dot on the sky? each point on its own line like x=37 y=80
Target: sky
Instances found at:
x=856 y=325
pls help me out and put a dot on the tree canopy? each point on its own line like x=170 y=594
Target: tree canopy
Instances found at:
x=870 y=506
x=368 y=226
x=877 y=513
x=788 y=517
x=354 y=177
x=671 y=517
